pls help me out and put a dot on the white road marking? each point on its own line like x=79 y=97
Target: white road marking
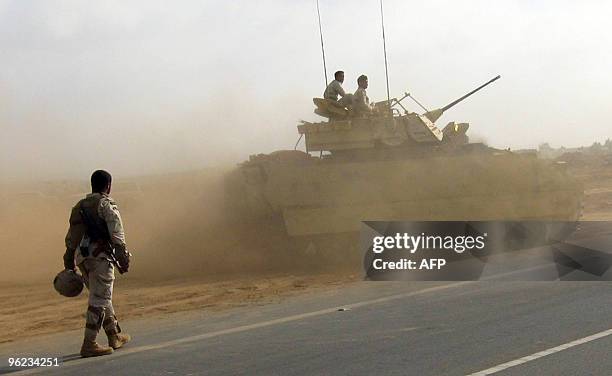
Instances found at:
x=243 y=328
x=542 y=354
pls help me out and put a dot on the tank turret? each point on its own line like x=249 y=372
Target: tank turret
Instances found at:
x=393 y=165
x=386 y=126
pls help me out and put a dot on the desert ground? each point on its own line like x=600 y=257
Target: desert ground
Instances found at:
x=186 y=256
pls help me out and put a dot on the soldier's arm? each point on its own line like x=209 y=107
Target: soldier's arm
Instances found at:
x=69 y=254
x=340 y=90
x=110 y=213
x=73 y=238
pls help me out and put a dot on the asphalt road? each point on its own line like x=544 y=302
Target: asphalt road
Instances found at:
x=496 y=326
x=385 y=328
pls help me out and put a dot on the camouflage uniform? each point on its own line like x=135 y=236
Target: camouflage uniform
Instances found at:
x=92 y=259
x=333 y=90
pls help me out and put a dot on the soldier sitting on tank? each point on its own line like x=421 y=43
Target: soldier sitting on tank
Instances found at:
x=334 y=89
x=361 y=102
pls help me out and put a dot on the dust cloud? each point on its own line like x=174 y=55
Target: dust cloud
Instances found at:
x=176 y=226
x=189 y=252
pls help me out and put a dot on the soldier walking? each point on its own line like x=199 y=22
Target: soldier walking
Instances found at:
x=96 y=244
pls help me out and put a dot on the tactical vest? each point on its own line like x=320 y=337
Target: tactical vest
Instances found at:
x=85 y=220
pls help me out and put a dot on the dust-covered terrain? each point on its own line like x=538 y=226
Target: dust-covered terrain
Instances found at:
x=176 y=225
x=187 y=253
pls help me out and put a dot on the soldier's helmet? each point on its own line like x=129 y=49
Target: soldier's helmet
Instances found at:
x=68 y=283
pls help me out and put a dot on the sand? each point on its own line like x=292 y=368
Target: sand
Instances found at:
x=186 y=253
x=37 y=309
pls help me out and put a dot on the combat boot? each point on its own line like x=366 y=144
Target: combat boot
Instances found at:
x=118 y=340
x=90 y=348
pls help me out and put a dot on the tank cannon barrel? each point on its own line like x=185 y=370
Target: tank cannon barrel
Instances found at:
x=435 y=114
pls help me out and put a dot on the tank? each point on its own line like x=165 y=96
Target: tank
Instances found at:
x=394 y=165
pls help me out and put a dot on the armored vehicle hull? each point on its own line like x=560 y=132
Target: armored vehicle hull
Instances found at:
x=387 y=166
x=315 y=196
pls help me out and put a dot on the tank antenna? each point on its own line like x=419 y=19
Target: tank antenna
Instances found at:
x=382 y=22
x=322 y=47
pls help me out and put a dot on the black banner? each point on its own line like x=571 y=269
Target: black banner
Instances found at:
x=469 y=251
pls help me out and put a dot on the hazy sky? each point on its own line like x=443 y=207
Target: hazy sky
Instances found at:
x=147 y=86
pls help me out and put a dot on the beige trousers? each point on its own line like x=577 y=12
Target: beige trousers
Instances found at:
x=99 y=276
